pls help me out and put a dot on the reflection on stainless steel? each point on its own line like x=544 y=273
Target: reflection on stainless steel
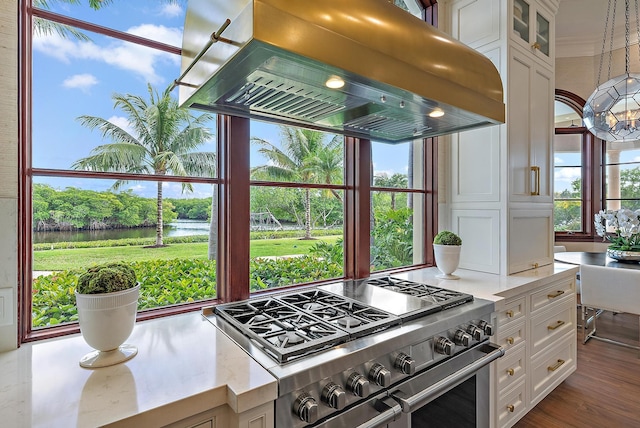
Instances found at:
x=340 y=351
x=276 y=58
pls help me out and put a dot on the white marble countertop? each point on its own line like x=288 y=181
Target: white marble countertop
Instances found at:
x=180 y=358
x=488 y=286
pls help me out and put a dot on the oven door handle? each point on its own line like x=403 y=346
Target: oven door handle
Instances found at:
x=440 y=387
x=389 y=410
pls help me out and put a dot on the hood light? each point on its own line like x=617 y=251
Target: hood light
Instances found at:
x=334 y=82
x=436 y=113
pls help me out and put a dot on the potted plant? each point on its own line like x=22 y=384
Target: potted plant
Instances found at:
x=107 y=302
x=624 y=225
x=446 y=249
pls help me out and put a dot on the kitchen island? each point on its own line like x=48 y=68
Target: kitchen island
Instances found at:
x=186 y=371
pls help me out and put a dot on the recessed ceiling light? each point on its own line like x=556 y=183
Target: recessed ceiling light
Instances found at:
x=436 y=113
x=334 y=82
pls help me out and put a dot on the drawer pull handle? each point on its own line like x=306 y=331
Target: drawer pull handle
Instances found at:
x=556 y=366
x=556 y=325
x=511 y=408
x=556 y=294
x=510 y=313
x=510 y=340
x=511 y=372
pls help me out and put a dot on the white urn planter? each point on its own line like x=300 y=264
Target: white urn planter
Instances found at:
x=106 y=321
x=447 y=260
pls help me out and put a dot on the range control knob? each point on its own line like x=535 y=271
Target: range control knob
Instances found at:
x=306 y=408
x=358 y=384
x=444 y=346
x=474 y=331
x=334 y=396
x=486 y=327
x=405 y=364
x=380 y=375
x=462 y=338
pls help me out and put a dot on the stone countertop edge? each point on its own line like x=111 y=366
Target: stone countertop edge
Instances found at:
x=184 y=366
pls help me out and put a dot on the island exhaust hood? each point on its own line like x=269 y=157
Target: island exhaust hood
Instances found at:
x=363 y=68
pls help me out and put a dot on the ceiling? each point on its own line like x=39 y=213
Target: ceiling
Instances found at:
x=580 y=27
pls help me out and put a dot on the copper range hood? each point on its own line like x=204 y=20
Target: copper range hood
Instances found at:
x=401 y=78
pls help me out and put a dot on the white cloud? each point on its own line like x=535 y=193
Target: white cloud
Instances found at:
x=566 y=175
x=159 y=33
x=126 y=56
x=558 y=160
x=80 y=81
x=123 y=123
x=171 y=10
x=387 y=173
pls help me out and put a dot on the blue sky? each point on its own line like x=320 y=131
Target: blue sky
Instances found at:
x=73 y=78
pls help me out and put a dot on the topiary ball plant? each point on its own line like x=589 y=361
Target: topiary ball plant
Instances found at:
x=107 y=278
x=447 y=238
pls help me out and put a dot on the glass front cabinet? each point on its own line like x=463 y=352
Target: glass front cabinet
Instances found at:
x=531 y=28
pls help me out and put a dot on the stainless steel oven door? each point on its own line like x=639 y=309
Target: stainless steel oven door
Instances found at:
x=376 y=411
x=452 y=394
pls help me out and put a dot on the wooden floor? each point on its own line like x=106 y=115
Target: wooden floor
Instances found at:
x=605 y=389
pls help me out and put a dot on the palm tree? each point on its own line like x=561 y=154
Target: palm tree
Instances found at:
x=304 y=157
x=397 y=180
x=162 y=142
x=44 y=27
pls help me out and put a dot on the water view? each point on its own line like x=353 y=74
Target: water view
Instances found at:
x=176 y=228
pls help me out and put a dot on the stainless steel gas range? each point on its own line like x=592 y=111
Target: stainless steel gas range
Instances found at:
x=375 y=352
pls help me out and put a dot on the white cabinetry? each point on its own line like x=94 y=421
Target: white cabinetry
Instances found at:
x=224 y=417
x=530 y=125
x=507 y=169
x=537 y=329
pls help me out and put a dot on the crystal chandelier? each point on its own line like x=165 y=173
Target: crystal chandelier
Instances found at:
x=612 y=112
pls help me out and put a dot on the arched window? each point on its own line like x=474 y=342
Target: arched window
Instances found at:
x=589 y=174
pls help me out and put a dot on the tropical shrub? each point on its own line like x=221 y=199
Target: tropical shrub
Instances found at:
x=170 y=282
x=280 y=272
x=392 y=239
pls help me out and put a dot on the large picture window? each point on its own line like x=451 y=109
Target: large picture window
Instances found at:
x=589 y=174
x=116 y=171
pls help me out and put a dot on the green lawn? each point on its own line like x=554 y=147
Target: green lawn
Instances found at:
x=84 y=257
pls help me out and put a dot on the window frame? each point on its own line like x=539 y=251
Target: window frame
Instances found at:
x=233 y=142
x=592 y=174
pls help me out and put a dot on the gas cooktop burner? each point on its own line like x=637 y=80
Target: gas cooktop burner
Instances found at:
x=292 y=325
x=283 y=331
x=354 y=317
x=349 y=322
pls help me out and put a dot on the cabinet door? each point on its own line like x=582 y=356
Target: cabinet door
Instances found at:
x=533 y=29
x=530 y=129
x=530 y=239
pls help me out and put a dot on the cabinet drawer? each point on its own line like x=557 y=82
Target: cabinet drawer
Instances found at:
x=510 y=368
x=553 y=293
x=550 y=325
x=511 y=406
x=550 y=368
x=513 y=311
x=511 y=336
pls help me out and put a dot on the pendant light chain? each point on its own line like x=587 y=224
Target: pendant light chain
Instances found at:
x=626 y=36
x=638 y=28
x=613 y=29
x=604 y=41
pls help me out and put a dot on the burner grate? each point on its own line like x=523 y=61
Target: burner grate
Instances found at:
x=354 y=317
x=284 y=332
